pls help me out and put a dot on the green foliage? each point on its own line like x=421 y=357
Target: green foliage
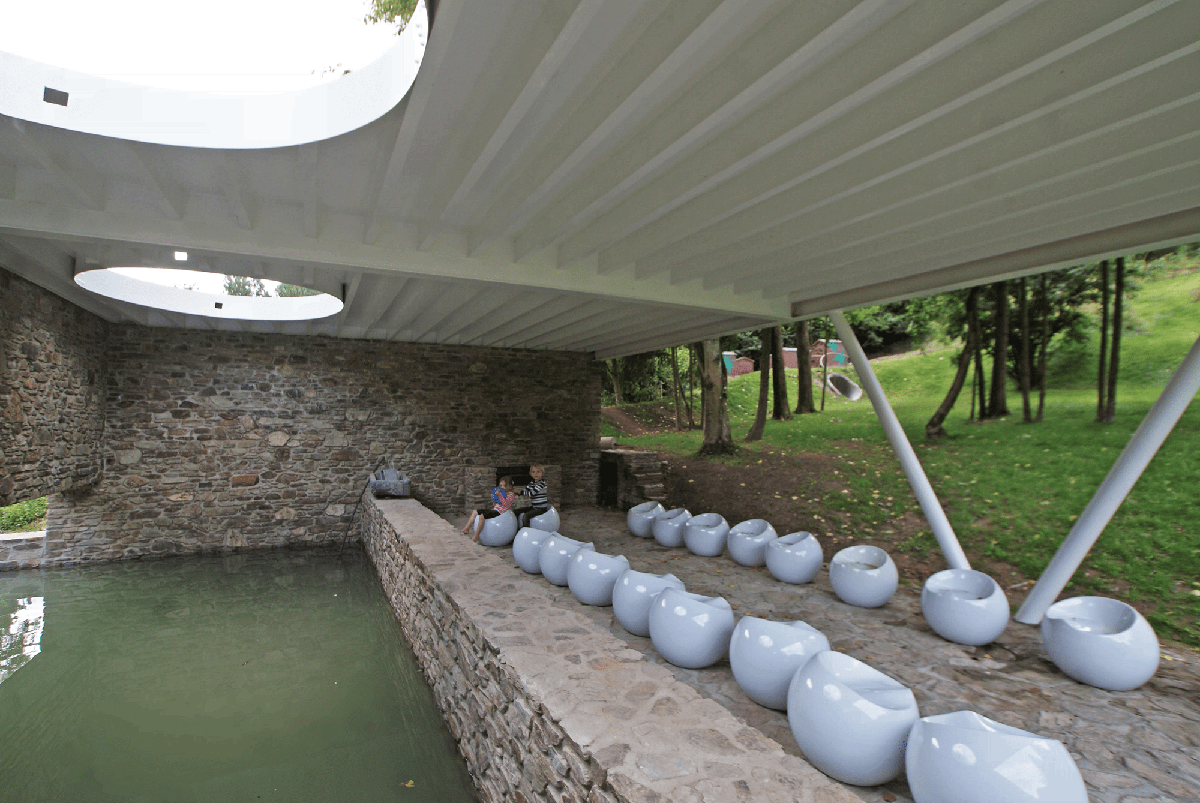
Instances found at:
x=1012 y=491
x=244 y=286
x=295 y=291
x=23 y=516
x=392 y=12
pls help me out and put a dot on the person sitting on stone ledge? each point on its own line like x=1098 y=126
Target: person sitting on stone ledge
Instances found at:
x=502 y=499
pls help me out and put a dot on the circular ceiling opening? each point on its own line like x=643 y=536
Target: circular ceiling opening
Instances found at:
x=213 y=295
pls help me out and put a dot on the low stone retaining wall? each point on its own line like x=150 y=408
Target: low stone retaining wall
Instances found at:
x=545 y=705
x=22 y=551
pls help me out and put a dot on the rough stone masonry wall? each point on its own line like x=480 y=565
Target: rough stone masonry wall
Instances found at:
x=226 y=440
x=546 y=707
x=52 y=379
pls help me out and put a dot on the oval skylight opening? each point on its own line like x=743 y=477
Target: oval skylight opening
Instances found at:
x=212 y=295
x=299 y=73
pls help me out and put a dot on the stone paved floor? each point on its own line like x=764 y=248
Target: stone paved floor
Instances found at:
x=1131 y=747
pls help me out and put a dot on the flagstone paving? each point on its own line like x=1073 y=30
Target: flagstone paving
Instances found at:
x=1131 y=747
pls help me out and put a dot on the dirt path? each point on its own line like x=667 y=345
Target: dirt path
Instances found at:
x=623 y=421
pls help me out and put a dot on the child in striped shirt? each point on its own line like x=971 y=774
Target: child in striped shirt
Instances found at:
x=539 y=499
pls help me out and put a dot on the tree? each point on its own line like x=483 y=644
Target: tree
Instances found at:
x=1110 y=406
x=1102 y=366
x=934 y=428
x=804 y=391
x=780 y=410
x=764 y=387
x=392 y=12
x=244 y=286
x=1023 y=366
x=295 y=291
x=998 y=404
x=717 y=438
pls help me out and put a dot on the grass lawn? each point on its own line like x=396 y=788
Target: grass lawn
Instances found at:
x=1012 y=490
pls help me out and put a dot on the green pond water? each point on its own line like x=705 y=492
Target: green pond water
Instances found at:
x=272 y=676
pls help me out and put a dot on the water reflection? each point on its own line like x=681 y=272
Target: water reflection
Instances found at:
x=22 y=639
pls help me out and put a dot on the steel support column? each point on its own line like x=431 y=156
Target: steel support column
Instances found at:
x=1116 y=486
x=926 y=498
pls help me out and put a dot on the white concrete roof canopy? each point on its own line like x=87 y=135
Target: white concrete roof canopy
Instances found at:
x=614 y=177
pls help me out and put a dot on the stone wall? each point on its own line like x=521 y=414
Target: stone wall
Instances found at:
x=631 y=477
x=548 y=708
x=223 y=440
x=52 y=380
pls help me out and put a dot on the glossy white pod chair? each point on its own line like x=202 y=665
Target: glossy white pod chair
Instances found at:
x=747 y=542
x=499 y=530
x=766 y=655
x=690 y=630
x=1101 y=642
x=591 y=576
x=668 y=528
x=548 y=521
x=527 y=548
x=794 y=558
x=706 y=534
x=966 y=758
x=850 y=719
x=633 y=595
x=554 y=558
x=864 y=576
x=964 y=606
x=640 y=518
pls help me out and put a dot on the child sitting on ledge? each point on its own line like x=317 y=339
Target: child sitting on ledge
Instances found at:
x=502 y=499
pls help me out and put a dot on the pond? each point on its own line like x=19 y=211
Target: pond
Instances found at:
x=277 y=676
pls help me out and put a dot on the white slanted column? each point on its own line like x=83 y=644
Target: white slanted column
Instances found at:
x=1116 y=486
x=926 y=498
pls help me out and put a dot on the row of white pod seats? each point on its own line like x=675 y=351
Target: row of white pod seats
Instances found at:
x=1099 y=641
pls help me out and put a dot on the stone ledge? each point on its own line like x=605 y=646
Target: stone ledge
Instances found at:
x=544 y=704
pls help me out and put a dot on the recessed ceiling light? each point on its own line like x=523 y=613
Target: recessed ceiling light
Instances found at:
x=181 y=256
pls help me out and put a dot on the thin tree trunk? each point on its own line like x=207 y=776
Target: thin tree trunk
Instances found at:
x=1110 y=410
x=824 y=373
x=1023 y=367
x=804 y=380
x=781 y=411
x=764 y=387
x=614 y=373
x=1102 y=368
x=973 y=322
x=1043 y=348
x=934 y=428
x=717 y=438
x=676 y=389
x=999 y=402
x=690 y=398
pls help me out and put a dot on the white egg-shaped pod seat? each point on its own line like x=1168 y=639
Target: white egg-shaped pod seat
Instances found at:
x=747 y=542
x=794 y=558
x=864 y=576
x=527 y=548
x=765 y=655
x=591 y=576
x=1101 y=642
x=548 y=521
x=640 y=518
x=668 y=528
x=690 y=630
x=964 y=606
x=555 y=557
x=706 y=534
x=633 y=595
x=850 y=719
x=967 y=758
x=499 y=530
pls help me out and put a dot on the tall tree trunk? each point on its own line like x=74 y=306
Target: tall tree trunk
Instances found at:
x=781 y=411
x=614 y=373
x=934 y=428
x=981 y=379
x=1110 y=409
x=717 y=439
x=764 y=387
x=999 y=402
x=1102 y=368
x=804 y=380
x=676 y=389
x=690 y=398
x=1023 y=367
x=824 y=373
x=1043 y=347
